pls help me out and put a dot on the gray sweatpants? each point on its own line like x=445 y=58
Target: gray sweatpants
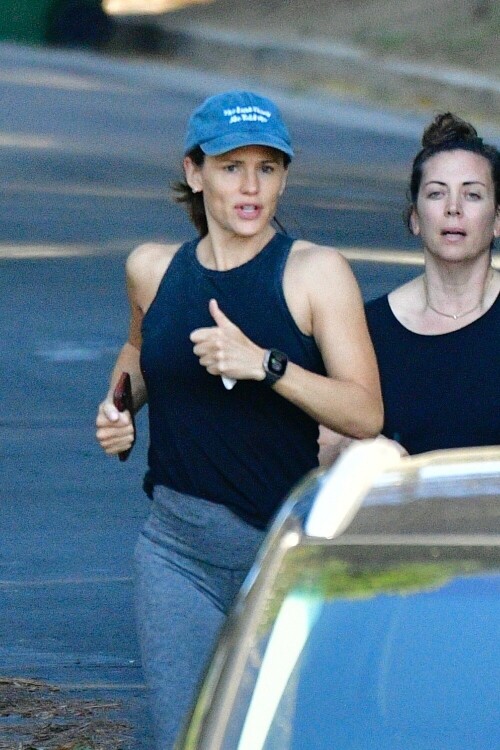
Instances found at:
x=191 y=559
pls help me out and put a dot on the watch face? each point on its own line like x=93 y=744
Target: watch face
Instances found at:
x=277 y=362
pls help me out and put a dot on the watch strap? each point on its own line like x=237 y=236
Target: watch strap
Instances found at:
x=275 y=364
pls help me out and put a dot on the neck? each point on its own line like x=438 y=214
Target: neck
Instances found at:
x=459 y=306
x=221 y=252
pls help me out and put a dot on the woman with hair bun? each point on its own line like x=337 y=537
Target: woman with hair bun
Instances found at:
x=437 y=337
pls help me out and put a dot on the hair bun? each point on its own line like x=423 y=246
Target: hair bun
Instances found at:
x=445 y=128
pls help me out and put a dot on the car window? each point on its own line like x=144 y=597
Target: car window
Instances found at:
x=359 y=653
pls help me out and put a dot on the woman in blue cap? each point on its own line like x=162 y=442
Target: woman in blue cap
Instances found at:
x=241 y=341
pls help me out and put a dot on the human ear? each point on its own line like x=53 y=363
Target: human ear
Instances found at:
x=193 y=175
x=414 y=223
x=283 y=183
x=496 y=226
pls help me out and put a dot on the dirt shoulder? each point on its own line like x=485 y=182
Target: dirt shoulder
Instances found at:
x=458 y=33
x=417 y=55
x=35 y=715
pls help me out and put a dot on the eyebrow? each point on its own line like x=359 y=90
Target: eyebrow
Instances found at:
x=467 y=182
x=269 y=160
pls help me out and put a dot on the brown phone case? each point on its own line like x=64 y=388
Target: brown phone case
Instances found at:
x=122 y=399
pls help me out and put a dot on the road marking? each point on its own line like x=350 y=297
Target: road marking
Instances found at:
x=384 y=255
x=65 y=250
x=117 y=191
x=97 y=147
x=393 y=257
x=100 y=191
x=14 y=140
x=52 y=80
x=76 y=351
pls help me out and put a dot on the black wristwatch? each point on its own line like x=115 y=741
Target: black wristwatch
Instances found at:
x=274 y=363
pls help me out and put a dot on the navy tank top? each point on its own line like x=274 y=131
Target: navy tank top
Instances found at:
x=244 y=448
x=439 y=391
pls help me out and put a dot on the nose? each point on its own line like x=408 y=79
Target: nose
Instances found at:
x=453 y=205
x=250 y=182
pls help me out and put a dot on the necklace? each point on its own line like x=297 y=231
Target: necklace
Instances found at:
x=457 y=316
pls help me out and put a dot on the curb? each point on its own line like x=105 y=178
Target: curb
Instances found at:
x=300 y=63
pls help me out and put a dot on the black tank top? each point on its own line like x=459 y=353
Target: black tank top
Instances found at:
x=439 y=391
x=244 y=448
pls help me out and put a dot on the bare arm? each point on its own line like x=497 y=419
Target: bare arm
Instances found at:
x=348 y=400
x=145 y=267
x=128 y=358
x=332 y=444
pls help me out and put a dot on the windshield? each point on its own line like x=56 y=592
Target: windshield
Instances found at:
x=376 y=656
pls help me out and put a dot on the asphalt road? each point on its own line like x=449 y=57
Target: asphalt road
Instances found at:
x=88 y=148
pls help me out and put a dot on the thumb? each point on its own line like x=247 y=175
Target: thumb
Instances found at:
x=111 y=412
x=219 y=318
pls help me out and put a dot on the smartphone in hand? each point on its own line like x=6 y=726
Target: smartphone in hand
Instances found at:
x=122 y=399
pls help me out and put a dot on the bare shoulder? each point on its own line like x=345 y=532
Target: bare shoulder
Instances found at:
x=146 y=265
x=306 y=252
x=405 y=299
x=320 y=264
x=318 y=281
x=149 y=258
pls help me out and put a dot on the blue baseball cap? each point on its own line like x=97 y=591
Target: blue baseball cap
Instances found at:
x=235 y=119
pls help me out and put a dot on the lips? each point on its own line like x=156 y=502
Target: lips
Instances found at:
x=248 y=210
x=453 y=233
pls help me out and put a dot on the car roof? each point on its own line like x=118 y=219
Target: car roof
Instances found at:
x=372 y=489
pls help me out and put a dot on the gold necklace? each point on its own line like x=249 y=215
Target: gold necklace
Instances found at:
x=457 y=316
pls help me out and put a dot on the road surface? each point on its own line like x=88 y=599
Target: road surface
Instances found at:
x=88 y=148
